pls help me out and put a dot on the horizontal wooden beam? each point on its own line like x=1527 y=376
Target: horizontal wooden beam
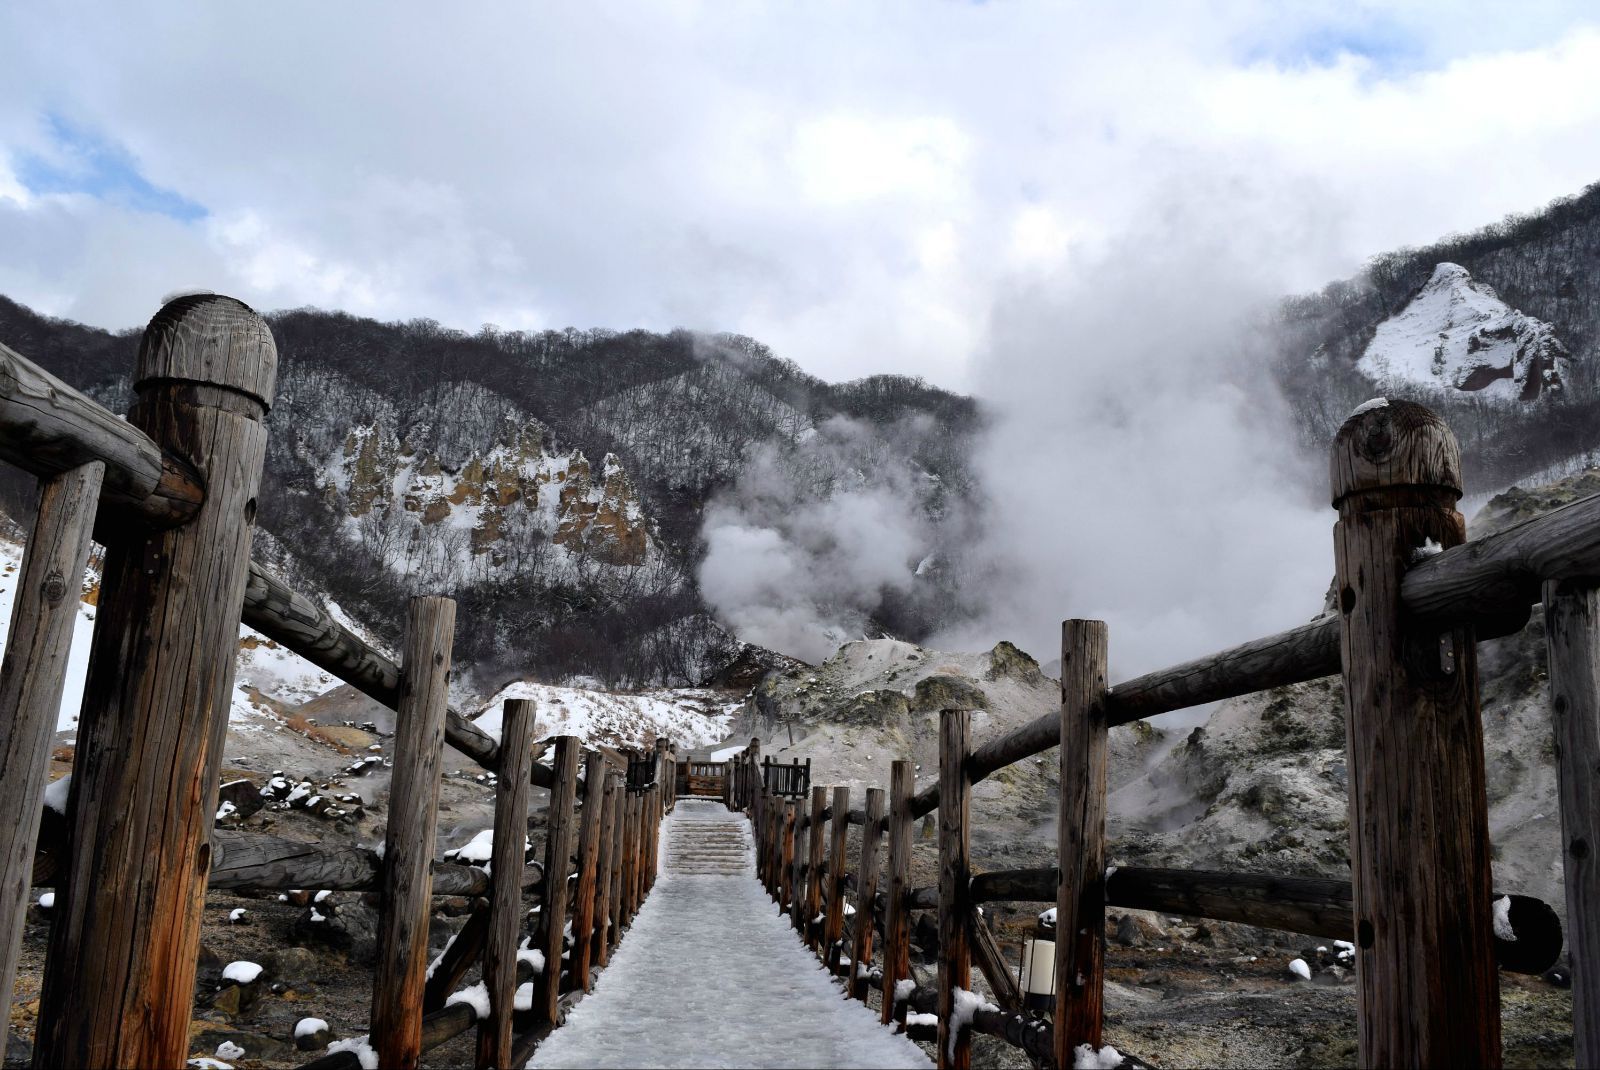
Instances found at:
x=285 y=616
x=1314 y=906
x=47 y=428
x=1492 y=582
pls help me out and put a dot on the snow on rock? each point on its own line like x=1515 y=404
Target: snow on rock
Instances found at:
x=47 y=901
x=237 y=915
x=686 y=716
x=1299 y=968
x=360 y=1047
x=967 y=1005
x=1086 y=1058
x=1368 y=406
x=522 y=1000
x=1502 y=919
x=1457 y=334
x=55 y=794
x=475 y=996
x=206 y=1062
x=241 y=972
x=767 y=1001
x=229 y=1050
x=309 y=1027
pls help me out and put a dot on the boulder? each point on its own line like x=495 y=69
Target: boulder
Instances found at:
x=945 y=692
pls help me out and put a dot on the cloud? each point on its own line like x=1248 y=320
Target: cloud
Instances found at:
x=857 y=186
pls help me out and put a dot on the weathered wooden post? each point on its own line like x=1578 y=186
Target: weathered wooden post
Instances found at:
x=557 y=867
x=786 y=857
x=589 y=845
x=119 y=982
x=814 y=873
x=630 y=857
x=409 y=840
x=797 y=873
x=33 y=677
x=955 y=878
x=866 y=895
x=509 y=855
x=1428 y=993
x=897 y=919
x=653 y=838
x=1081 y=840
x=1572 y=634
x=600 y=938
x=833 y=923
x=619 y=851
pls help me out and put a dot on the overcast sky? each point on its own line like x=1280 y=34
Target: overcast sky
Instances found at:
x=856 y=184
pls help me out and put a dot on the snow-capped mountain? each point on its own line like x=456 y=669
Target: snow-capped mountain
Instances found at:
x=1457 y=334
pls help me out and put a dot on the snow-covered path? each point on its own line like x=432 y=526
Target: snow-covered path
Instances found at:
x=711 y=975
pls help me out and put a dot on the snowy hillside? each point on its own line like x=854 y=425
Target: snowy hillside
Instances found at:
x=687 y=716
x=1457 y=334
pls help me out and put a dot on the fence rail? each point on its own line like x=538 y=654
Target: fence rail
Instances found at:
x=171 y=491
x=1428 y=931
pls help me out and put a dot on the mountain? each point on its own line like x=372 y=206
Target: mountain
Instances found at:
x=1498 y=330
x=1456 y=334
x=553 y=482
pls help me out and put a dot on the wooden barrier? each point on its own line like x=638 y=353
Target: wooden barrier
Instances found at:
x=119 y=979
x=897 y=926
x=34 y=675
x=955 y=903
x=607 y=854
x=866 y=895
x=589 y=847
x=557 y=867
x=833 y=920
x=814 y=870
x=510 y=851
x=408 y=844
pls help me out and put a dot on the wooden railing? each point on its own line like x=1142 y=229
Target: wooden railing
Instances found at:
x=1413 y=601
x=171 y=492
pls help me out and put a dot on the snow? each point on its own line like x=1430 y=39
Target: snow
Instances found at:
x=475 y=996
x=1368 y=406
x=1502 y=919
x=236 y=915
x=47 y=900
x=229 y=1050
x=686 y=716
x=759 y=999
x=241 y=972
x=55 y=794
x=476 y=851
x=307 y=1027
x=1429 y=548
x=967 y=1005
x=1457 y=334
x=929 y=1020
x=361 y=1049
x=1299 y=968
x=523 y=999
x=725 y=753
x=82 y=633
x=1048 y=917
x=1086 y=1058
x=205 y=1062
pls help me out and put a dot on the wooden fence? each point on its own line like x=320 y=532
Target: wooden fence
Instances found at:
x=1413 y=601
x=171 y=493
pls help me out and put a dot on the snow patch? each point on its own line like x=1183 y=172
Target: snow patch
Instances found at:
x=1502 y=919
x=360 y=1048
x=475 y=996
x=308 y=1027
x=241 y=972
x=1299 y=968
x=1086 y=1058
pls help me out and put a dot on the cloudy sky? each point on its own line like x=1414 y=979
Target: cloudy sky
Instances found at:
x=856 y=184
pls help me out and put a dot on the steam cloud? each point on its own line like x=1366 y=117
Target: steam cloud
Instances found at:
x=1139 y=467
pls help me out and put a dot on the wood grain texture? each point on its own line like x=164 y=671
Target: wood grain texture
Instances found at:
x=589 y=846
x=400 y=972
x=786 y=857
x=955 y=875
x=833 y=918
x=630 y=856
x=1081 y=839
x=33 y=677
x=606 y=860
x=242 y=860
x=557 y=867
x=866 y=893
x=619 y=846
x=1427 y=991
x=1572 y=633
x=897 y=915
x=463 y=951
x=814 y=868
x=991 y=962
x=508 y=854
x=119 y=983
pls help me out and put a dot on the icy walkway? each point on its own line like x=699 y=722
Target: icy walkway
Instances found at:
x=710 y=975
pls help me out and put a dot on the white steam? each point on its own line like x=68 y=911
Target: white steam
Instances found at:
x=1141 y=467
x=811 y=537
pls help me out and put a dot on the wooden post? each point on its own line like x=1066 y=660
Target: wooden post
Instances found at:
x=589 y=844
x=1572 y=633
x=557 y=867
x=619 y=848
x=814 y=873
x=786 y=857
x=600 y=938
x=955 y=896
x=833 y=924
x=866 y=895
x=1081 y=840
x=124 y=943
x=652 y=838
x=630 y=855
x=897 y=918
x=409 y=840
x=509 y=855
x=797 y=875
x=33 y=677
x=1427 y=990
